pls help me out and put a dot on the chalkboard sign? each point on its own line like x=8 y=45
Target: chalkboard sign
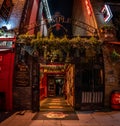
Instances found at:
x=22 y=75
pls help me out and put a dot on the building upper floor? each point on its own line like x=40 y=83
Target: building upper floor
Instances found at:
x=86 y=16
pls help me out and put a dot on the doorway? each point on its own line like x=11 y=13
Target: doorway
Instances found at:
x=55 y=85
x=80 y=83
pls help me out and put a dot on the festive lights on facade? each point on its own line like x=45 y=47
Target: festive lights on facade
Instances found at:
x=88 y=7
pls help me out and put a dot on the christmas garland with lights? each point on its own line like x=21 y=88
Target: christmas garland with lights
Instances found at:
x=57 y=43
x=60 y=49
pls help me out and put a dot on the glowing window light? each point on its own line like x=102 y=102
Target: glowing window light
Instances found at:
x=107 y=14
x=88 y=7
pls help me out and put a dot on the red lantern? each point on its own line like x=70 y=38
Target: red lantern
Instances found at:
x=115 y=100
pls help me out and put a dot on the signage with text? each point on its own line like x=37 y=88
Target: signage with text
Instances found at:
x=6 y=44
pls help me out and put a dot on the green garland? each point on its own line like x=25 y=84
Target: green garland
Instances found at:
x=57 y=43
x=59 y=49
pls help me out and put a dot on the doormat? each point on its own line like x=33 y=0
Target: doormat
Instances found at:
x=55 y=116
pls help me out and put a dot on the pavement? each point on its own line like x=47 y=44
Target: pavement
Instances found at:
x=85 y=118
x=57 y=112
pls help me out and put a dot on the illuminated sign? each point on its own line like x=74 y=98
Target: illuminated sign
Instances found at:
x=88 y=7
x=53 y=68
x=107 y=14
x=6 y=44
x=7 y=35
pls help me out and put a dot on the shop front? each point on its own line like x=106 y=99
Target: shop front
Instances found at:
x=7 y=55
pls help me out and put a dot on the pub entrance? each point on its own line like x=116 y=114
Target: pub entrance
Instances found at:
x=55 y=85
x=81 y=84
x=52 y=80
x=82 y=69
x=83 y=81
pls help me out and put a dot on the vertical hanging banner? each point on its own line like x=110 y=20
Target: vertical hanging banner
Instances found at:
x=6 y=9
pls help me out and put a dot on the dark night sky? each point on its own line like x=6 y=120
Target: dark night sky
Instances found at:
x=62 y=6
x=112 y=1
x=65 y=8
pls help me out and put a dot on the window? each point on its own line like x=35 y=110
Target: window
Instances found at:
x=6 y=10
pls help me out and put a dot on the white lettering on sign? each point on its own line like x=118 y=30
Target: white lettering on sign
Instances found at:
x=6 y=44
x=7 y=35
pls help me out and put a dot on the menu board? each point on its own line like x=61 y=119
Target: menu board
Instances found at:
x=22 y=75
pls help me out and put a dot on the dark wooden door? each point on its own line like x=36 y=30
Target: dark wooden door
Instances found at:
x=35 y=85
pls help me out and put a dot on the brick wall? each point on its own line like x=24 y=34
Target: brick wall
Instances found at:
x=22 y=98
x=111 y=75
x=22 y=86
x=80 y=13
x=15 y=17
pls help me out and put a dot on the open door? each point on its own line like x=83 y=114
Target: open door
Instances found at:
x=55 y=85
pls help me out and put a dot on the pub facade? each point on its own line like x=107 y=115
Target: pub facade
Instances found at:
x=75 y=56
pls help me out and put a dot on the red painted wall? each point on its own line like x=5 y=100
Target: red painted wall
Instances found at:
x=33 y=16
x=6 y=76
x=43 y=87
